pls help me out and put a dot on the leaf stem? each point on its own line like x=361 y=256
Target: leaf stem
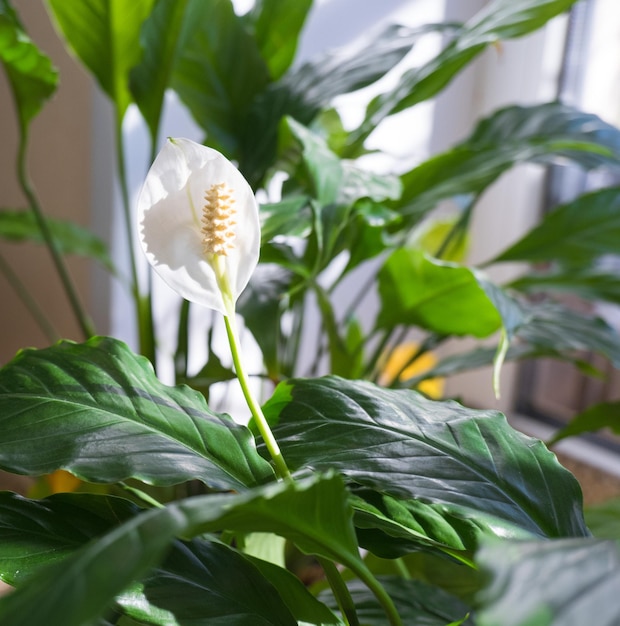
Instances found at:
x=366 y=576
x=82 y=318
x=143 y=303
x=341 y=593
x=28 y=301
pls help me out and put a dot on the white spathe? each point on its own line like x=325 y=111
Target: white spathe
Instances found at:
x=170 y=210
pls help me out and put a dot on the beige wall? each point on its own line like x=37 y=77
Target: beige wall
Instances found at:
x=60 y=166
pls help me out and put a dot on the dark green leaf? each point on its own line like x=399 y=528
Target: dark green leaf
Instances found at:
x=555 y=328
x=588 y=283
x=105 y=36
x=161 y=44
x=202 y=582
x=218 y=72
x=554 y=583
x=439 y=296
x=32 y=77
x=540 y=133
x=404 y=445
x=313 y=513
x=501 y=19
x=418 y=604
x=596 y=417
x=70 y=237
x=36 y=532
x=261 y=306
x=574 y=233
x=98 y=411
x=304 y=91
x=276 y=26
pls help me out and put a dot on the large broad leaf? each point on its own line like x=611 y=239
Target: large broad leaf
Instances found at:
x=418 y=604
x=69 y=236
x=554 y=583
x=98 y=411
x=596 y=417
x=539 y=133
x=104 y=35
x=304 y=91
x=34 y=533
x=501 y=19
x=603 y=519
x=218 y=72
x=276 y=25
x=160 y=43
x=439 y=296
x=574 y=233
x=314 y=513
x=32 y=77
x=402 y=444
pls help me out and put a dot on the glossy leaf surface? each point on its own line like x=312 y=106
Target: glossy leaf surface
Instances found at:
x=401 y=444
x=98 y=411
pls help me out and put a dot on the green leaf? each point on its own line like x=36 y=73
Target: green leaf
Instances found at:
x=276 y=25
x=36 y=532
x=313 y=513
x=201 y=582
x=105 y=36
x=70 y=237
x=603 y=519
x=555 y=328
x=588 y=283
x=391 y=528
x=218 y=72
x=501 y=19
x=418 y=604
x=554 y=583
x=261 y=306
x=574 y=233
x=98 y=411
x=542 y=133
x=303 y=92
x=409 y=447
x=596 y=417
x=291 y=217
x=32 y=76
x=161 y=43
x=80 y=587
x=439 y=296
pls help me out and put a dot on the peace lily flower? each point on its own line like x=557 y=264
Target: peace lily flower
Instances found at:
x=199 y=224
x=200 y=231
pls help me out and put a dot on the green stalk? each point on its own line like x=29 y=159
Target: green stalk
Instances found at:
x=143 y=303
x=341 y=593
x=83 y=320
x=253 y=405
x=28 y=301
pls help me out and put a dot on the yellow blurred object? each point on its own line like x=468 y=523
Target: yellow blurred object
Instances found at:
x=61 y=481
x=399 y=357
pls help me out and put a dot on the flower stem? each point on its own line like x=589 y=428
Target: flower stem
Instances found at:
x=255 y=409
x=143 y=304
